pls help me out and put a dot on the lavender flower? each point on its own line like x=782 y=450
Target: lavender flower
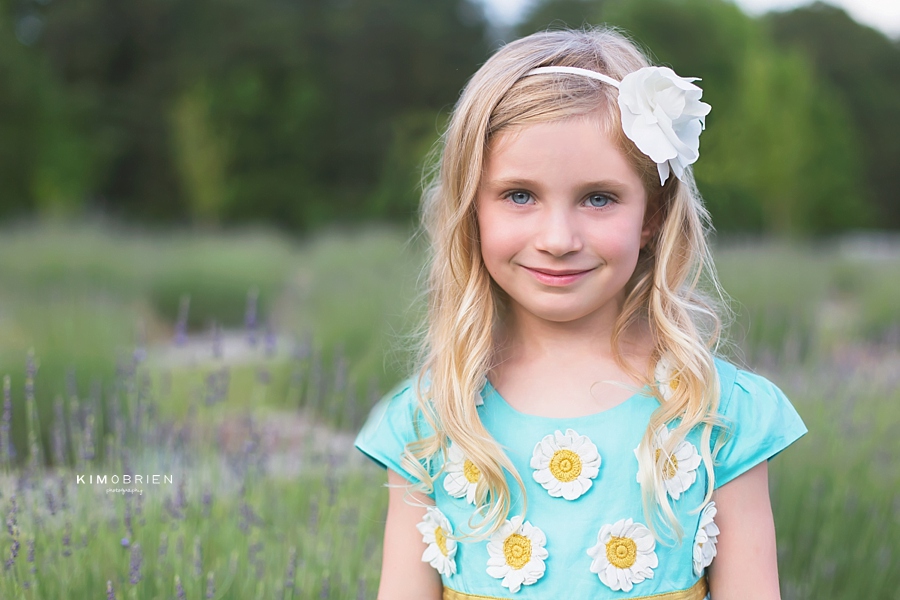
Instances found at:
x=250 y=316
x=125 y=543
x=210 y=586
x=207 y=503
x=110 y=594
x=59 y=432
x=291 y=566
x=134 y=569
x=163 y=545
x=181 y=323
x=67 y=539
x=198 y=559
x=4 y=424
x=128 y=528
x=179 y=591
x=216 y=340
x=13 y=529
x=31 y=410
x=270 y=339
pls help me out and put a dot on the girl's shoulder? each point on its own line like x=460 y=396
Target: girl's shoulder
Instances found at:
x=756 y=421
x=394 y=421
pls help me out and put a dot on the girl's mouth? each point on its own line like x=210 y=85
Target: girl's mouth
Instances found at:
x=557 y=278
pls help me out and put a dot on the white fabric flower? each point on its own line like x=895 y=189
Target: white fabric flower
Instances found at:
x=663 y=115
x=624 y=555
x=517 y=554
x=666 y=379
x=679 y=471
x=462 y=475
x=705 y=540
x=441 y=550
x=565 y=464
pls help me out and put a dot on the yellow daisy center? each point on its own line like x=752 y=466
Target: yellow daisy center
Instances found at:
x=673 y=383
x=621 y=552
x=671 y=467
x=441 y=540
x=471 y=472
x=565 y=465
x=517 y=550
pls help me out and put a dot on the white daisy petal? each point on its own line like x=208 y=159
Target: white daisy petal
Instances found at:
x=517 y=554
x=441 y=550
x=705 y=541
x=565 y=464
x=622 y=555
x=679 y=471
x=462 y=475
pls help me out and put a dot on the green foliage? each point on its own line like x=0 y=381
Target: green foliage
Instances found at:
x=201 y=154
x=230 y=112
x=863 y=67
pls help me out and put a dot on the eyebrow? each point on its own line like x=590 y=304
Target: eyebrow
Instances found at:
x=524 y=182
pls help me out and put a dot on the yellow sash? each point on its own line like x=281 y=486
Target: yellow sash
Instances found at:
x=695 y=592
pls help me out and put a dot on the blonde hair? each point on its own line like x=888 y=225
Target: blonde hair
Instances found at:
x=464 y=305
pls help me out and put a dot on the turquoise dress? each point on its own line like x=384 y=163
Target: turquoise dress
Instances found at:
x=585 y=534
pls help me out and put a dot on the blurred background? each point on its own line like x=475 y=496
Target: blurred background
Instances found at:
x=206 y=269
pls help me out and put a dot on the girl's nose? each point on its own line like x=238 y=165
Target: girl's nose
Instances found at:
x=557 y=232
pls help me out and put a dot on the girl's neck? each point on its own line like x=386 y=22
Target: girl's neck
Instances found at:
x=528 y=338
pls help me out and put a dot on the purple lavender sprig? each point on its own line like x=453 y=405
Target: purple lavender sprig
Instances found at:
x=59 y=432
x=31 y=554
x=134 y=569
x=270 y=339
x=67 y=539
x=5 y=423
x=163 y=550
x=179 y=590
x=250 y=316
x=210 y=586
x=291 y=570
x=12 y=528
x=184 y=306
x=198 y=558
x=31 y=412
x=216 y=340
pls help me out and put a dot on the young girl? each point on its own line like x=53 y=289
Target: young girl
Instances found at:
x=569 y=432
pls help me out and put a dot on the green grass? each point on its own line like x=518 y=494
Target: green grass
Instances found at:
x=816 y=319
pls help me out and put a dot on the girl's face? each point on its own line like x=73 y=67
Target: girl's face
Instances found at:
x=561 y=215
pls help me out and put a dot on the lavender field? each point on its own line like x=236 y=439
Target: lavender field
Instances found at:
x=231 y=372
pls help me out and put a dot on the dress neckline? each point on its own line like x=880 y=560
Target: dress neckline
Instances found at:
x=644 y=392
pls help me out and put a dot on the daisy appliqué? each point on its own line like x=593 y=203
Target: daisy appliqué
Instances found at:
x=441 y=550
x=517 y=554
x=565 y=464
x=462 y=475
x=705 y=540
x=666 y=379
x=625 y=554
x=679 y=470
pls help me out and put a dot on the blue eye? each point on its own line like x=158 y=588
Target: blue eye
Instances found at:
x=599 y=200
x=517 y=196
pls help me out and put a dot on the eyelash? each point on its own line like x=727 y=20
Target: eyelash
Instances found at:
x=612 y=200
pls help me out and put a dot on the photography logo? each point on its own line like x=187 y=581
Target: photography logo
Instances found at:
x=125 y=480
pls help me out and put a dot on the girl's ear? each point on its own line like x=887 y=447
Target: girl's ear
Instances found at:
x=652 y=221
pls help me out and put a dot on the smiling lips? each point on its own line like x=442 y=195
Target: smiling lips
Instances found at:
x=557 y=277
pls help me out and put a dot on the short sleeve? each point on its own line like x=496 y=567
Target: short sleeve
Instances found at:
x=390 y=427
x=759 y=422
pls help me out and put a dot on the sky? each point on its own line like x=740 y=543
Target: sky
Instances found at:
x=880 y=14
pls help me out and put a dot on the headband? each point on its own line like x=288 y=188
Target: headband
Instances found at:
x=661 y=113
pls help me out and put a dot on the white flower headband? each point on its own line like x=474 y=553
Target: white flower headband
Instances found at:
x=661 y=113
